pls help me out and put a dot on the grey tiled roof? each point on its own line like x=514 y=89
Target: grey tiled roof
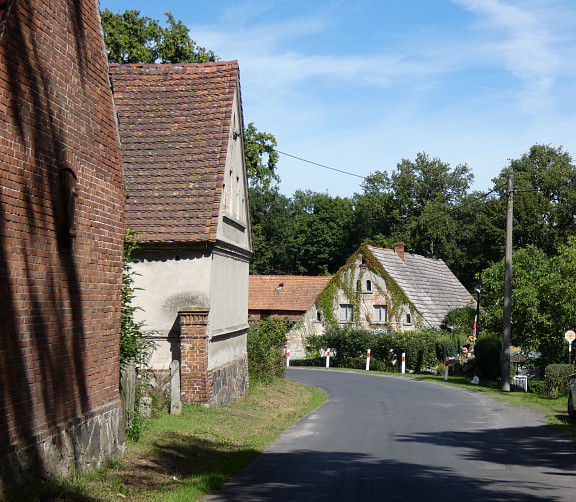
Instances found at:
x=428 y=283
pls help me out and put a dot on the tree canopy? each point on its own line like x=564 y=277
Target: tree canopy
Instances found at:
x=543 y=289
x=131 y=38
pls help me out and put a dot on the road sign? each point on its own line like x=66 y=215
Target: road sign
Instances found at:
x=570 y=336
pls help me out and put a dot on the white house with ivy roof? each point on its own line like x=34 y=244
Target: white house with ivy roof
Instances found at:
x=391 y=289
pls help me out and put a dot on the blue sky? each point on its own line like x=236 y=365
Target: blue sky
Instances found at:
x=358 y=85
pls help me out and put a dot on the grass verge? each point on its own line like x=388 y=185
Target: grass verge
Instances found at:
x=187 y=456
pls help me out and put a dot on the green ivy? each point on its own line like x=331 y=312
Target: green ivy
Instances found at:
x=133 y=343
x=343 y=279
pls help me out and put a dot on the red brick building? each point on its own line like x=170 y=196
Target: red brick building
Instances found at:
x=61 y=238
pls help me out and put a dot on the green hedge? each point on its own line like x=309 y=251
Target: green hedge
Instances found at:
x=424 y=349
x=266 y=359
x=557 y=379
x=487 y=351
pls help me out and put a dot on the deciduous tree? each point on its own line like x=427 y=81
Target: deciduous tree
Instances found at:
x=131 y=38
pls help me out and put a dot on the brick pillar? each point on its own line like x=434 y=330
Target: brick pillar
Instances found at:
x=195 y=381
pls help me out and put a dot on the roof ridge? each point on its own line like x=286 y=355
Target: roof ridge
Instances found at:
x=167 y=66
x=381 y=249
x=288 y=276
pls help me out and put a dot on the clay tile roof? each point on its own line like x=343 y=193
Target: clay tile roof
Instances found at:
x=174 y=122
x=284 y=292
x=428 y=283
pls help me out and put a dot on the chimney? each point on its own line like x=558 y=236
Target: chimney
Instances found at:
x=399 y=249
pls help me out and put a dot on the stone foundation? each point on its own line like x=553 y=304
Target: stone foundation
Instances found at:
x=85 y=446
x=229 y=381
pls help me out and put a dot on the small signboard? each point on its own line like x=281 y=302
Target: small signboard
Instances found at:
x=570 y=336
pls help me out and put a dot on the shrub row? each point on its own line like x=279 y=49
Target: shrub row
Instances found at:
x=423 y=349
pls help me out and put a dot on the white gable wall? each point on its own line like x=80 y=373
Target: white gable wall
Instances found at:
x=164 y=282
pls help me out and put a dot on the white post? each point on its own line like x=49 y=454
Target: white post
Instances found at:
x=570 y=337
x=446 y=369
x=287 y=358
x=328 y=358
x=403 y=362
x=368 y=361
x=175 y=402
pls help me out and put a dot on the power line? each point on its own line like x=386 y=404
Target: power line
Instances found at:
x=460 y=206
x=321 y=165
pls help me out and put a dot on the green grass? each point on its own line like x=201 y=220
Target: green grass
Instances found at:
x=187 y=456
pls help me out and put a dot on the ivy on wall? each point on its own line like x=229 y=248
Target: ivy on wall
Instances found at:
x=344 y=280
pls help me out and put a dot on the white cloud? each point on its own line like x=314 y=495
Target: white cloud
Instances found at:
x=525 y=36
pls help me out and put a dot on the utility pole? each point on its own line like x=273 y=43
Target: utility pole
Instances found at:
x=507 y=317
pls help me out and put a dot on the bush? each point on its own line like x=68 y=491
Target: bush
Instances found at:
x=266 y=359
x=448 y=346
x=315 y=361
x=349 y=346
x=420 y=348
x=487 y=351
x=537 y=387
x=345 y=342
x=557 y=379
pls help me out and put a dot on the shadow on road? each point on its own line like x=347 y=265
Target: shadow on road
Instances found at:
x=541 y=446
x=338 y=476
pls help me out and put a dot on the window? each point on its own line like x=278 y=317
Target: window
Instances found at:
x=380 y=313
x=408 y=319
x=319 y=316
x=346 y=313
x=66 y=223
x=368 y=285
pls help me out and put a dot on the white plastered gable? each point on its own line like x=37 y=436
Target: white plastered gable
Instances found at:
x=234 y=205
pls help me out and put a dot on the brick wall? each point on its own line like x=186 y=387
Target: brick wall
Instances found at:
x=195 y=378
x=61 y=203
x=199 y=384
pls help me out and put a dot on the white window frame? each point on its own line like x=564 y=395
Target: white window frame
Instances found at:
x=346 y=312
x=378 y=309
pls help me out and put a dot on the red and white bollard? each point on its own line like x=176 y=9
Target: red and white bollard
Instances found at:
x=403 y=370
x=328 y=358
x=287 y=358
x=368 y=361
x=446 y=369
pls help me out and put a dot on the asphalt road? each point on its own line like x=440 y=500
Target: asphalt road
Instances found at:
x=386 y=438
